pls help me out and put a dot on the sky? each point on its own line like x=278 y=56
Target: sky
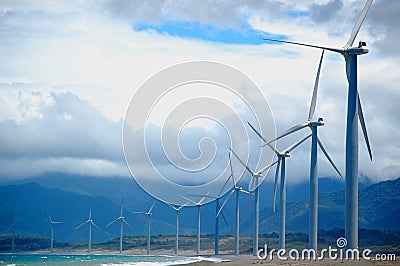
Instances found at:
x=69 y=69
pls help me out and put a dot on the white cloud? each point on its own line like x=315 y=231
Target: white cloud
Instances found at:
x=64 y=51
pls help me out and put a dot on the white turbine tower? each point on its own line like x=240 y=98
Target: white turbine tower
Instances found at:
x=282 y=195
x=148 y=213
x=122 y=220
x=353 y=110
x=198 y=204
x=52 y=223
x=217 y=213
x=91 y=223
x=254 y=187
x=177 y=210
x=313 y=125
x=237 y=190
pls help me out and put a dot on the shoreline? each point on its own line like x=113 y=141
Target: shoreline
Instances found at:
x=209 y=259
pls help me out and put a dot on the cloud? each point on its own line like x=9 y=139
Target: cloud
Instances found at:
x=68 y=72
x=53 y=131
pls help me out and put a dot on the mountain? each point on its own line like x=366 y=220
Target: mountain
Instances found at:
x=68 y=199
x=379 y=208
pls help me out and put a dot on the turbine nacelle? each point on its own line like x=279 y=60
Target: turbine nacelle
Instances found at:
x=361 y=49
x=319 y=122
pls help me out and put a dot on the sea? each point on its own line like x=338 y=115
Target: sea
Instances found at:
x=97 y=259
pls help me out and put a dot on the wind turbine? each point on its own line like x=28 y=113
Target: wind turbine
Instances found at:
x=282 y=195
x=12 y=229
x=52 y=223
x=148 y=213
x=254 y=188
x=237 y=190
x=217 y=213
x=91 y=223
x=354 y=109
x=198 y=204
x=177 y=210
x=122 y=220
x=313 y=125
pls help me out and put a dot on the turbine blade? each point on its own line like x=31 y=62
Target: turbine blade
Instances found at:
x=90 y=214
x=358 y=24
x=333 y=49
x=289 y=131
x=262 y=170
x=122 y=206
x=139 y=212
x=276 y=180
x=113 y=221
x=315 y=91
x=230 y=165
x=192 y=201
x=226 y=200
x=364 y=127
x=327 y=156
x=127 y=223
x=95 y=225
x=151 y=208
x=172 y=206
x=294 y=146
x=245 y=192
x=48 y=215
x=223 y=187
x=248 y=169
x=266 y=141
x=79 y=226
x=256 y=131
x=223 y=216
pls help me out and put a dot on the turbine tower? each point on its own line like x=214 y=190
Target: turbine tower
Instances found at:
x=217 y=213
x=313 y=125
x=12 y=229
x=282 y=195
x=198 y=204
x=254 y=187
x=122 y=220
x=91 y=223
x=148 y=213
x=237 y=190
x=177 y=210
x=354 y=109
x=52 y=223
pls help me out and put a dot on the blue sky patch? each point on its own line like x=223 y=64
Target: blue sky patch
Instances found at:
x=206 y=32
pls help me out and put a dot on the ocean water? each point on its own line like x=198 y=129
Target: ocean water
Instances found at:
x=93 y=259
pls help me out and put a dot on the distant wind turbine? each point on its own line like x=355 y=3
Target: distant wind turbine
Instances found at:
x=198 y=204
x=217 y=213
x=254 y=187
x=237 y=190
x=353 y=110
x=148 y=213
x=12 y=229
x=177 y=210
x=282 y=164
x=91 y=223
x=52 y=223
x=122 y=220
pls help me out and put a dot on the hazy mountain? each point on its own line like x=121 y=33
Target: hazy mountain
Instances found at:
x=68 y=199
x=379 y=208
